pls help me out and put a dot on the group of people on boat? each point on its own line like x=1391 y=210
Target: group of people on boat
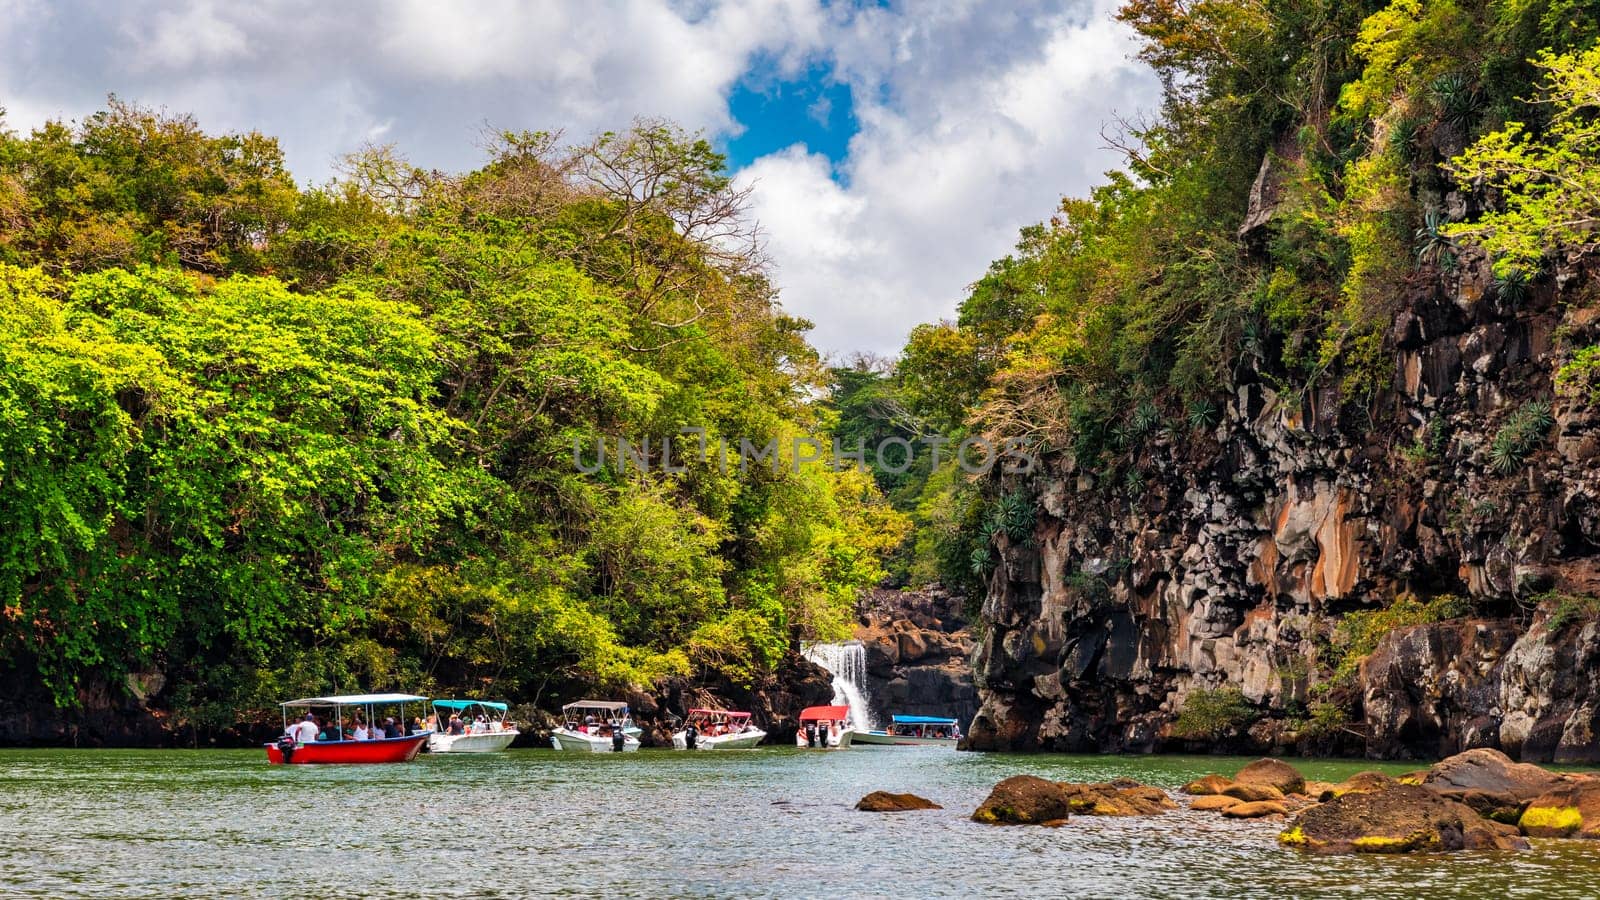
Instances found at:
x=314 y=729
x=822 y=734
x=597 y=727
x=455 y=725
x=951 y=731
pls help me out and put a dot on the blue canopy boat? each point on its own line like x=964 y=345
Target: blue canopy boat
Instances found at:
x=483 y=728
x=906 y=731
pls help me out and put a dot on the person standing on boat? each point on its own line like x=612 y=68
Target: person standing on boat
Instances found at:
x=305 y=731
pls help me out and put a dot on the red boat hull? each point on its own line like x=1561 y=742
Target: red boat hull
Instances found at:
x=383 y=750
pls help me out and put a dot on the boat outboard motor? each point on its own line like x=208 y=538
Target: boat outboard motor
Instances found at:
x=286 y=747
x=811 y=734
x=619 y=739
x=690 y=737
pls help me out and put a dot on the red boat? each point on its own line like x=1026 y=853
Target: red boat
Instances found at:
x=833 y=724
x=332 y=742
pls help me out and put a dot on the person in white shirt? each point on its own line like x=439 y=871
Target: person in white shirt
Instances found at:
x=305 y=731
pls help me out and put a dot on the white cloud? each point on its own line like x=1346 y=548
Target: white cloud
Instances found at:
x=967 y=145
x=974 y=117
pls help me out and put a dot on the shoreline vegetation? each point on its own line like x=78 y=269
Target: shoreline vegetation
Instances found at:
x=262 y=440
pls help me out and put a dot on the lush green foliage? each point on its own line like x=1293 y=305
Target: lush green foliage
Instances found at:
x=1213 y=714
x=270 y=441
x=1550 y=183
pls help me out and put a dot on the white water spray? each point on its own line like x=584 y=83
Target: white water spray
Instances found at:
x=847 y=663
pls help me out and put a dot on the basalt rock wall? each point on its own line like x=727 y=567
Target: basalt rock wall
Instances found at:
x=1251 y=540
x=918 y=645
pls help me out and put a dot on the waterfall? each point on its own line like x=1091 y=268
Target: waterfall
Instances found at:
x=847 y=663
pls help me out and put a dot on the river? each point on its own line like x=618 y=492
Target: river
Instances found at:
x=764 y=823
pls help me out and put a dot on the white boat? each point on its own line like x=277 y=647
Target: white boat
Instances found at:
x=486 y=732
x=717 y=729
x=831 y=728
x=595 y=726
x=907 y=731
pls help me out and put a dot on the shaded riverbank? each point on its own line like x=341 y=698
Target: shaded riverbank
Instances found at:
x=766 y=823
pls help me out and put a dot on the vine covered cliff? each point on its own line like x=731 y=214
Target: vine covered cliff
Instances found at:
x=1311 y=392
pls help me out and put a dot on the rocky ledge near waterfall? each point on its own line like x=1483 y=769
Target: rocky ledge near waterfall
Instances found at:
x=1220 y=585
x=918 y=644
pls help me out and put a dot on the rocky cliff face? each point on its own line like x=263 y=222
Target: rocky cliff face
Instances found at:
x=1249 y=543
x=917 y=645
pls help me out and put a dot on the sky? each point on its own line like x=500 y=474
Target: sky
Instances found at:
x=893 y=149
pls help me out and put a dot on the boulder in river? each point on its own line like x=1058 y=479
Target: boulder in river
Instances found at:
x=1359 y=783
x=1209 y=784
x=1251 y=793
x=1025 y=800
x=1119 y=798
x=883 y=801
x=1489 y=782
x=1272 y=773
x=1571 y=810
x=1401 y=818
x=1259 y=809
x=1492 y=772
x=1214 y=802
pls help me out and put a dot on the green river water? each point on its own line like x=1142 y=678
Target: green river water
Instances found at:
x=765 y=823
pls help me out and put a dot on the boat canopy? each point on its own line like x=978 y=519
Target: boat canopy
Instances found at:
x=922 y=720
x=354 y=700
x=609 y=705
x=831 y=713
x=719 y=712
x=466 y=704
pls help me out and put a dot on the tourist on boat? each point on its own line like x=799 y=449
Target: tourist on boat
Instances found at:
x=305 y=730
x=416 y=725
x=390 y=728
x=431 y=723
x=457 y=726
x=361 y=731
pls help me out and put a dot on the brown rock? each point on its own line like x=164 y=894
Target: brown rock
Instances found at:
x=1272 y=773
x=1214 y=802
x=1024 y=800
x=1398 y=819
x=1108 y=799
x=1569 y=811
x=1359 y=783
x=1253 y=793
x=1492 y=772
x=1257 y=810
x=1210 y=784
x=883 y=801
x=1320 y=790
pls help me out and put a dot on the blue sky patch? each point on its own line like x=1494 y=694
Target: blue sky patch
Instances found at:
x=811 y=109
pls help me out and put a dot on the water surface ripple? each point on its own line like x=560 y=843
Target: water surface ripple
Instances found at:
x=766 y=823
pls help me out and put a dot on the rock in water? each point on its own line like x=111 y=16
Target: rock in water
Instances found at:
x=1252 y=793
x=1215 y=802
x=1491 y=772
x=883 y=801
x=1273 y=773
x=1399 y=819
x=1359 y=783
x=1569 y=811
x=1257 y=810
x=1210 y=784
x=1024 y=800
x=1123 y=797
